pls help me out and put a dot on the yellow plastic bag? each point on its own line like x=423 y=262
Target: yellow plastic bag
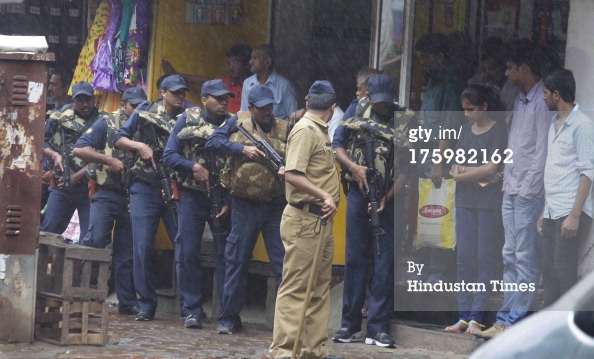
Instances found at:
x=436 y=220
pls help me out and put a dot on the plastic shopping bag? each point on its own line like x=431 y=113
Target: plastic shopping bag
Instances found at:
x=436 y=220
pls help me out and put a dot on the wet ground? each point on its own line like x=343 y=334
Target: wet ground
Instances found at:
x=165 y=337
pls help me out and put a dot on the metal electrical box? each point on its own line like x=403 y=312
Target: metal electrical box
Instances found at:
x=23 y=89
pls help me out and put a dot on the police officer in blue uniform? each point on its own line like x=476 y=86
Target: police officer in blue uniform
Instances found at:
x=145 y=133
x=185 y=152
x=258 y=198
x=108 y=203
x=62 y=130
x=352 y=147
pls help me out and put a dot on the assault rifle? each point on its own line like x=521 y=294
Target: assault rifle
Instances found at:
x=374 y=180
x=127 y=176
x=66 y=165
x=65 y=152
x=161 y=172
x=65 y=179
x=163 y=177
x=215 y=195
x=273 y=159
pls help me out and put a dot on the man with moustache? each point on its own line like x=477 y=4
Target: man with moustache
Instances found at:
x=146 y=133
x=109 y=207
x=58 y=90
x=262 y=67
x=258 y=200
x=62 y=131
x=186 y=153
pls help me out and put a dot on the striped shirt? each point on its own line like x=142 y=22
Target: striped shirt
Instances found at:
x=528 y=141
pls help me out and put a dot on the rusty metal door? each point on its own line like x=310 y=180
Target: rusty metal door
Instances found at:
x=23 y=89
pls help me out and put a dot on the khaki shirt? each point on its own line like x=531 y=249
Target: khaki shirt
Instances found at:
x=309 y=151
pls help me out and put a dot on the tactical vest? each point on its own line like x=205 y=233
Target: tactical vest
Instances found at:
x=193 y=138
x=389 y=139
x=68 y=127
x=246 y=178
x=105 y=177
x=154 y=128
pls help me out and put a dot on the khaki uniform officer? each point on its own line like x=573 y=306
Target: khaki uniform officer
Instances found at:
x=312 y=189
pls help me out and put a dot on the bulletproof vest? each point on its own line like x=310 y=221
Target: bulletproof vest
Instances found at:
x=246 y=178
x=389 y=140
x=105 y=177
x=68 y=127
x=193 y=138
x=154 y=128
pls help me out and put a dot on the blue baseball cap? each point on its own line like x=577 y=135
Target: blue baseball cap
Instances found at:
x=82 y=88
x=134 y=95
x=215 y=88
x=173 y=83
x=261 y=96
x=321 y=87
x=380 y=88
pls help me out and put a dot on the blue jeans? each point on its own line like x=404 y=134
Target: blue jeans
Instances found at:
x=360 y=245
x=248 y=219
x=61 y=205
x=478 y=234
x=522 y=254
x=146 y=208
x=560 y=256
x=193 y=213
x=109 y=206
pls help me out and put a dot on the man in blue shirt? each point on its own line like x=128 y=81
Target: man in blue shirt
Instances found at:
x=350 y=143
x=258 y=198
x=62 y=130
x=568 y=175
x=185 y=153
x=108 y=203
x=145 y=133
x=262 y=67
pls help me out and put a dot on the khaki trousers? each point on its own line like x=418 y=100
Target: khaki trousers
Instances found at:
x=297 y=232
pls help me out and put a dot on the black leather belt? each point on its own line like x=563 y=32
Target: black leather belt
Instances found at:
x=313 y=208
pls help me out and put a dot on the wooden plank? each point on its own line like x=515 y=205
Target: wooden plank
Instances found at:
x=71 y=322
x=65 y=321
x=85 y=323
x=104 y=323
x=67 y=277
x=85 y=276
x=88 y=253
